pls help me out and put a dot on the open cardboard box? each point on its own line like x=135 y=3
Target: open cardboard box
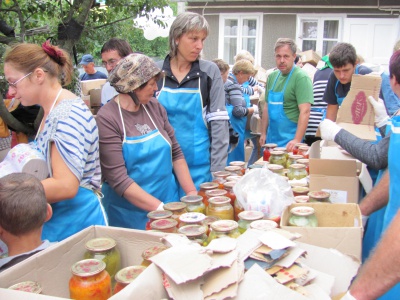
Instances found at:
x=339 y=227
x=87 y=85
x=52 y=267
x=310 y=57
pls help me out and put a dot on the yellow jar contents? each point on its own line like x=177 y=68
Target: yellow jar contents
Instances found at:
x=126 y=276
x=247 y=217
x=196 y=233
x=278 y=158
x=214 y=193
x=104 y=249
x=150 y=252
x=194 y=203
x=224 y=228
x=191 y=218
x=297 y=171
x=303 y=216
x=89 y=280
x=220 y=207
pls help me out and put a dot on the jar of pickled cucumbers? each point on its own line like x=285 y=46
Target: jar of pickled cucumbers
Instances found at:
x=194 y=203
x=157 y=215
x=196 y=233
x=224 y=228
x=220 y=177
x=303 y=216
x=247 y=217
x=214 y=193
x=277 y=169
x=191 y=218
x=204 y=187
x=278 y=158
x=241 y=164
x=220 y=207
x=297 y=171
x=165 y=225
x=292 y=159
x=126 y=276
x=306 y=162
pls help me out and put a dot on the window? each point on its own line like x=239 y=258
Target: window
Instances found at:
x=318 y=33
x=240 y=33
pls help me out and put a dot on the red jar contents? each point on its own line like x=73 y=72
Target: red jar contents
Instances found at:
x=303 y=150
x=157 y=215
x=204 y=187
x=165 y=225
x=296 y=147
x=220 y=178
x=267 y=151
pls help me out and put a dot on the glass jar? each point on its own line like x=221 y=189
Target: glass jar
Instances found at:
x=157 y=215
x=300 y=190
x=234 y=170
x=191 y=218
x=196 y=233
x=220 y=177
x=27 y=286
x=267 y=150
x=214 y=193
x=296 y=147
x=150 y=252
x=165 y=225
x=303 y=150
x=263 y=225
x=224 y=228
x=277 y=169
x=104 y=249
x=126 y=276
x=319 y=196
x=306 y=162
x=237 y=209
x=177 y=209
x=228 y=186
x=248 y=216
x=194 y=203
x=292 y=159
x=204 y=187
x=241 y=164
x=208 y=221
x=278 y=158
x=297 y=171
x=89 y=280
x=233 y=178
x=303 y=216
x=220 y=207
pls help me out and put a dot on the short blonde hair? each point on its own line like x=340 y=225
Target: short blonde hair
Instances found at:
x=244 y=54
x=244 y=66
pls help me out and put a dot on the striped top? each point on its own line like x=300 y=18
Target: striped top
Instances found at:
x=73 y=129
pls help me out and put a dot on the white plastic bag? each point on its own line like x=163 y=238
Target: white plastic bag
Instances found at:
x=262 y=190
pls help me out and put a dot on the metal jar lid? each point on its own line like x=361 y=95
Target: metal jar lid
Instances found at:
x=208 y=185
x=216 y=193
x=274 y=167
x=277 y=152
x=88 y=267
x=233 y=169
x=174 y=206
x=163 y=224
x=221 y=174
x=251 y=215
x=270 y=145
x=219 y=201
x=297 y=166
x=302 y=211
x=319 y=194
x=27 y=286
x=192 y=217
x=210 y=219
x=229 y=184
x=100 y=244
x=129 y=274
x=263 y=225
x=159 y=214
x=190 y=199
x=150 y=252
x=224 y=225
x=237 y=163
x=192 y=230
x=234 y=178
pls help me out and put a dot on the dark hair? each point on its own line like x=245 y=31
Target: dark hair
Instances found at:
x=394 y=66
x=121 y=46
x=343 y=54
x=23 y=204
x=296 y=60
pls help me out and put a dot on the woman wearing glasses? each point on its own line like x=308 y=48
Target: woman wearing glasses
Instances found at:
x=67 y=136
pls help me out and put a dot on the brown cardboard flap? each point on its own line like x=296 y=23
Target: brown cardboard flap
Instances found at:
x=333 y=167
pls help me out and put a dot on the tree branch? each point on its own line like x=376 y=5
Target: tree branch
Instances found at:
x=111 y=23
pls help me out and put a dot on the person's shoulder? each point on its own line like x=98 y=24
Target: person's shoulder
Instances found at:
x=208 y=67
x=101 y=75
x=364 y=70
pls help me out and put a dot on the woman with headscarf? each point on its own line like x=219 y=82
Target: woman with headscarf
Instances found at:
x=139 y=153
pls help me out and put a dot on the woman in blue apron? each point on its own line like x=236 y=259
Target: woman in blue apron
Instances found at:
x=67 y=137
x=147 y=154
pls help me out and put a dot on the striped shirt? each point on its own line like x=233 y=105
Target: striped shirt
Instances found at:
x=73 y=129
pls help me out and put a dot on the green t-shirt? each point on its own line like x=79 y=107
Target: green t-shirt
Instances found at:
x=299 y=90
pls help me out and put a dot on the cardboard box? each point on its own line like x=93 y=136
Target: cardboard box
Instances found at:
x=356 y=114
x=95 y=97
x=310 y=70
x=51 y=267
x=310 y=57
x=87 y=85
x=339 y=227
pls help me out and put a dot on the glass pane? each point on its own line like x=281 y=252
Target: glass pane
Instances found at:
x=309 y=45
x=249 y=44
x=249 y=28
x=230 y=49
x=310 y=29
x=331 y=29
x=327 y=46
x=230 y=27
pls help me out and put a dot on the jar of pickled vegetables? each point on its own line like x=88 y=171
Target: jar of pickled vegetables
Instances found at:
x=300 y=190
x=157 y=215
x=27 y=286
x=263 y=225
x=267 y=150
x=220 y=207
x=277 y=169
x=177 y=209
x=214 y=193
x=303 y=150
x=224 y=228
x=233 y=178
x=234 y=170
x=104 y=249
x=292 y=159
x=228 y=186
x=241 y=164
x=305 y=161
x=126 y=276
x=165 y=225
x=303 y=216
x=196 y=233
x=194 y=203
x=319 y=196
x=248 y=216
x=207 y=186
x=150 y=252
x=296 y=147
x=220 y=177
x=278 y=158
x=90 y=280
x=297 y=171
x=237 y=209
x=208 y=221
x=191 y=218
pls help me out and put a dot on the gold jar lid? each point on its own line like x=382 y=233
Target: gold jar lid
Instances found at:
x=27 y=286
x=100 y=244
x=208 y=185
x=224 y=225
x=174 y=206
x=190 y=199
x=88 y=267
x=219 y=201
x=251 y=215
x=128 y=274
x=192 y=217
x=237 y=163
x=216 y=193
x=163 y=224
x=303 y=211
x=159 y=214
x=192 y=230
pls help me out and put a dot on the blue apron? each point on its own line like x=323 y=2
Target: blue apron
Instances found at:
x=148 y=160
x=281 y=130
x=73 y=215
x=394 y=191
x=184 y=107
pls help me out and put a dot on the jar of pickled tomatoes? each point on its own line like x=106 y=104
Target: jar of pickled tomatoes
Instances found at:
x=204 y=187
x=241 y=164
x=220 y=177
x=297 y=146
x=303 y=150
x=157 y=215
x=267 y=150
x=165 y=225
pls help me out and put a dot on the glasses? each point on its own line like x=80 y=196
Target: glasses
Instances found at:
x=111 y=62
x=14 y=84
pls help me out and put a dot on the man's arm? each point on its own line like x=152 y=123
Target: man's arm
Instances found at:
x=264 y=124
x=377 y=198
x=302 y=124
x=381 y=271
x=331 y=112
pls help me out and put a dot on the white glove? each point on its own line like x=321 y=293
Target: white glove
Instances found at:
x=364 y=220
x=328 y=130
x=348 y=296
x=255 y=107
x=161 y=206
x=381 y=116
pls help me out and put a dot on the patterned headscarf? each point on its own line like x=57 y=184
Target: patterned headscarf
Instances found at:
x=131 y=72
